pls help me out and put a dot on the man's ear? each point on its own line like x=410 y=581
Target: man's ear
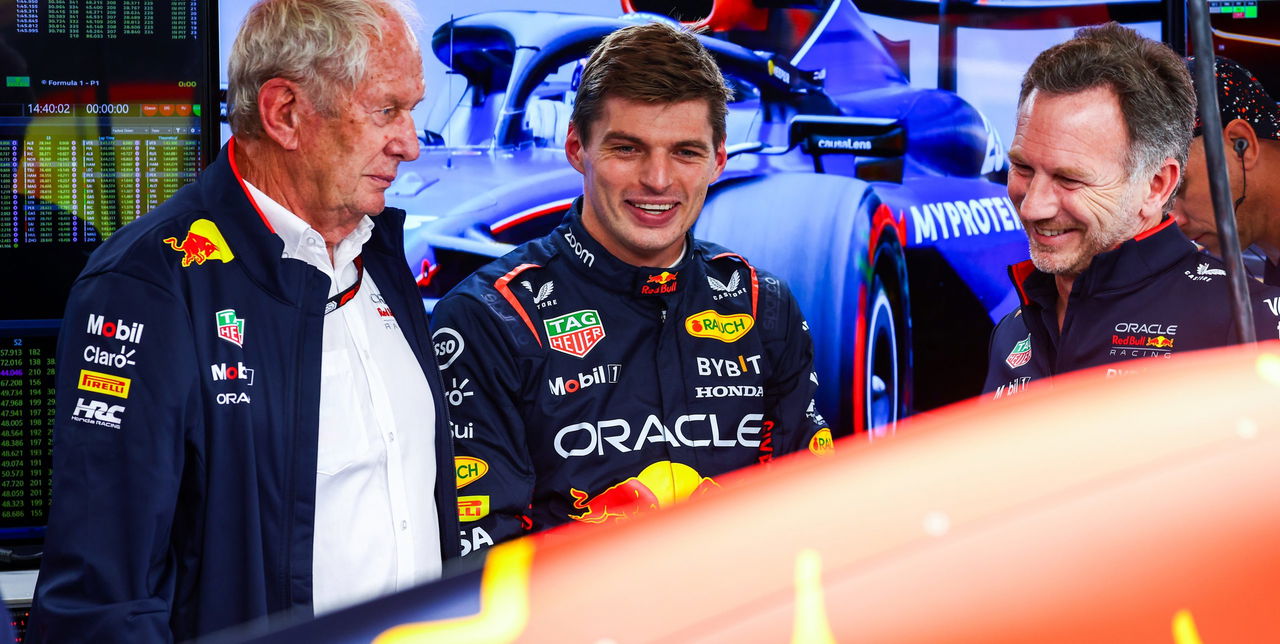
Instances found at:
x=722 y=157
x=1241 y=130
x=1160 y=187
x=573 y=148
x=280 y=108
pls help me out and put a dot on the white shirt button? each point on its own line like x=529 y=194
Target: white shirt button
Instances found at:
x=404 y=525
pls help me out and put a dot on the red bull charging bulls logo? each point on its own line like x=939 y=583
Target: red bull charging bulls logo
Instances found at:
x=659 y=485
x=203 y=242
x=666 y=283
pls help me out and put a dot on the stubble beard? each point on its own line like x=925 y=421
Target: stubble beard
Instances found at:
x=1098 y=239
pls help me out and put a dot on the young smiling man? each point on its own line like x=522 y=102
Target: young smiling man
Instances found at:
x=1104 y=121
x=617 y=365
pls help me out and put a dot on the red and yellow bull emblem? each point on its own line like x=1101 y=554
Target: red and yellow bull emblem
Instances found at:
x=725 y=328
x=821 y=443
x=662 y=278
x=203 y=242
x=469 y=470
x=666 y=283
x=1160 y=342
x=472 y=508
x=657 y=486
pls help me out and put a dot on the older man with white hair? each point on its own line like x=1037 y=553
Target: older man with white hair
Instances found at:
x=276 y=439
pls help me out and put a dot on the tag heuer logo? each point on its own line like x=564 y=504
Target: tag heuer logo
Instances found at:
x=575 y=333
x=230 y=327
x=1021 y=353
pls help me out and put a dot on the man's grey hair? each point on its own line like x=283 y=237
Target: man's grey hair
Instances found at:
x=1155 y=92
x=322 y=45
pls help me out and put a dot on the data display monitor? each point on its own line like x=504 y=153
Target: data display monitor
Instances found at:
x=1248 y=31
x=103 y=115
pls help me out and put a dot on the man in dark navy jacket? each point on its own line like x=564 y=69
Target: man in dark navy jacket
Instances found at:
x=266 y=430
x=618 y=364
x=1104 y=121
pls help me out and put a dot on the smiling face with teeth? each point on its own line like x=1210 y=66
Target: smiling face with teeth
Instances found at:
x=1069 y=181
x=645 y=168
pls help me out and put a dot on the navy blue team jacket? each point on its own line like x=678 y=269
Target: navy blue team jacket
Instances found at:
x=187 y=419
x=584 y=388
x=1154 y=296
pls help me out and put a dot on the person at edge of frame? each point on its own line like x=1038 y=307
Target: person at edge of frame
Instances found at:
x=268 y=432
x=1251 y=139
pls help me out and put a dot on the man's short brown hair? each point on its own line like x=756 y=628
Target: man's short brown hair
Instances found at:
x=654 y=63
x=1150 y=80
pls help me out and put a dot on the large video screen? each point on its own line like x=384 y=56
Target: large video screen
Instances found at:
x=102 y=118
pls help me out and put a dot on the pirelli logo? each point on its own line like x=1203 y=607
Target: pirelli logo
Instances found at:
x=104 y=383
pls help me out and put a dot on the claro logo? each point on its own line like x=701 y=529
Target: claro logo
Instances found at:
x=689 y=430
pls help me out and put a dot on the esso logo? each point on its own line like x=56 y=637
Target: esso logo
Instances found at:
x=448 y=345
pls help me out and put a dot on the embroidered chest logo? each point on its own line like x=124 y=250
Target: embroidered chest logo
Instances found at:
x=203 y=242
x=540 y=297
x=725 y=328
x=1021 y=353
x=575 y=333
x=1143 y=340
x=665 y=283
x=1204 y=273
x=230 y=327
x=731 y=289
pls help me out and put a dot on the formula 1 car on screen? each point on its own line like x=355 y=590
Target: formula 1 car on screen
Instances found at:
x=880 y=203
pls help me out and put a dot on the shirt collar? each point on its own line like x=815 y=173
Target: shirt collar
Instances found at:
x=298 y=234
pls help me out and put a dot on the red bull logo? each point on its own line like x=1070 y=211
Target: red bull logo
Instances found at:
x=662 y=278
x=1160 y=342
x=666 y=283
x=657 y=486
x=203 y=242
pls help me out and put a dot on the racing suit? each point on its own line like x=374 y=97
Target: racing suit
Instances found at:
x=186 y=431
x=583 y=388
x=1151 y=297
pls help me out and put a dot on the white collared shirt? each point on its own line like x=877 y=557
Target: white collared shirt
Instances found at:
x=376 y=527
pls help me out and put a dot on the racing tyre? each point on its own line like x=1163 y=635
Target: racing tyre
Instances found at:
x=853 y=299
x=886 y=364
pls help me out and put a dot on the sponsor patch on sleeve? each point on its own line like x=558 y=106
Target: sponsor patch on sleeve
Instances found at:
x=472 y=508
x=821 y=443
x=469 y=470
x=725 y=328
x=104 y=383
